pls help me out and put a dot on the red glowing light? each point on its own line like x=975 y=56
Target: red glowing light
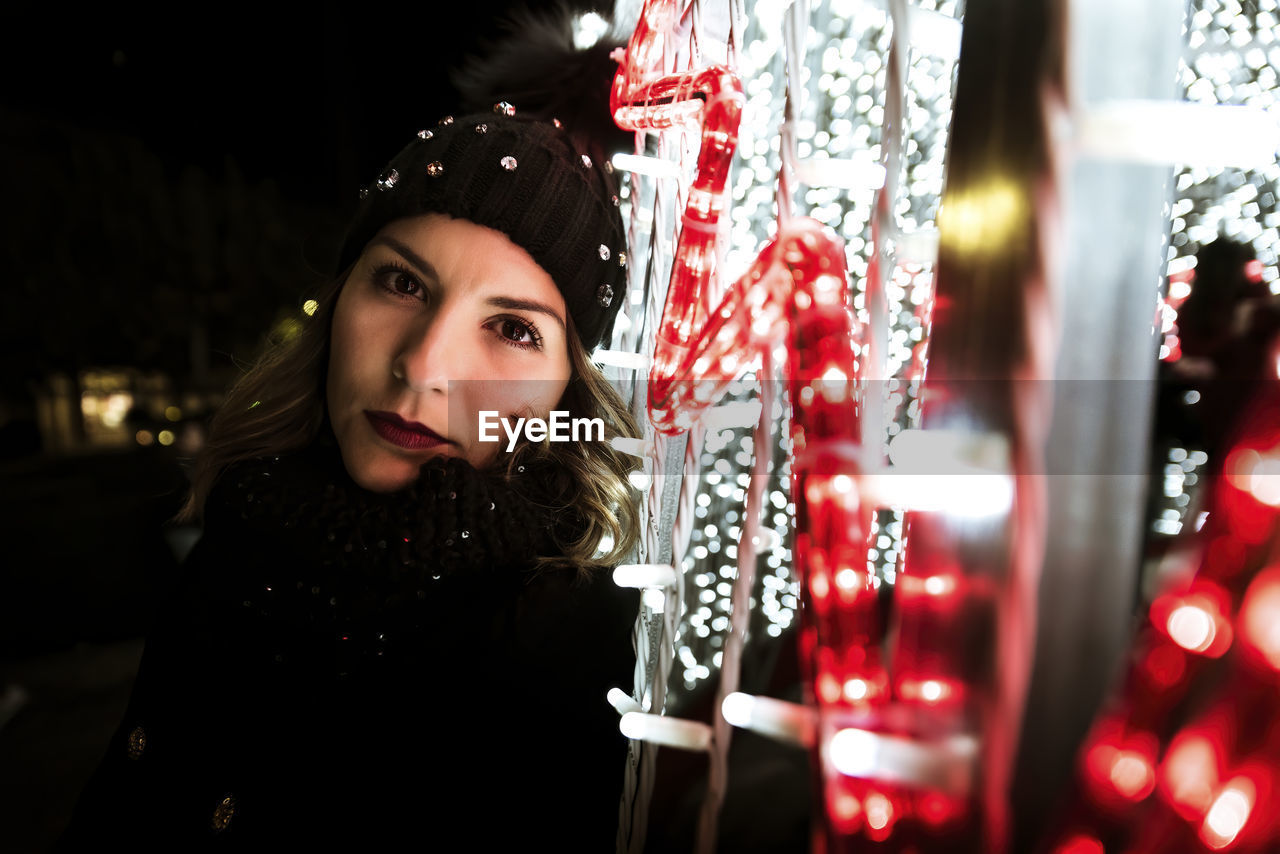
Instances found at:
x=1191 y=628
x=1132 y=775
x=856 y=689
x=819 y=586
x=1121 y=764
x=939 y=585
x=845 y=807
x=1165 y=665
x=1080 y=844
x=937 y=809
x=1260 y=616
x=930 y=691
x=879 y=811
x=1256 y=473
x=1189 y=774
x=880 y=815
x=1253 y=270
x=847 y=579
x=1228 y=814
x=1195 y=621
x=829 y=688
x=933 y=585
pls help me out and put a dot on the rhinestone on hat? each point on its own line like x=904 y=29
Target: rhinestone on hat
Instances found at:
x=388 y=179
x=586 y=161
x=604 y=295
x=622 y=259
x=435 y=168
x=508 y=163
x=604 y=252
x=608 y=167
x=616 y=201
x=425 y=134
x=504 y=108
x=446 y=121
x=557 y=123
x=482 y=128
x=364 y=192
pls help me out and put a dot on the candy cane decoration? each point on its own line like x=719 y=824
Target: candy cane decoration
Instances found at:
x=796 y=290
x=711 y=98
x=644 y=97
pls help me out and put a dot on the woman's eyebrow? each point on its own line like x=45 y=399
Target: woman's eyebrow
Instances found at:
x=426 y=269
x=412 y=257
x=525 y=305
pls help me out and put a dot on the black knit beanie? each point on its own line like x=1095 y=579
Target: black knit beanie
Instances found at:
x=525 y=178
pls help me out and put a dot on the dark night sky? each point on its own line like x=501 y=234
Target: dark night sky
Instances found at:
x=134 y=136
x=299 y=95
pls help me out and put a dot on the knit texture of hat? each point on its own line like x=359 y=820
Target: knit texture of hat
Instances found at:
x=521 y=177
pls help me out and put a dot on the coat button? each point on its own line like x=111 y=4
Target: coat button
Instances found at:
x=223 y=813
x=137 y=742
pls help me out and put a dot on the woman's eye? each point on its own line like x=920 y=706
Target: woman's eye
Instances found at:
x=515 y=331
x=399 y=282
x=403 y=283
x=518 y=333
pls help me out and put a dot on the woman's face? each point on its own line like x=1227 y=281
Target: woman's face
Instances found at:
x=440 y=319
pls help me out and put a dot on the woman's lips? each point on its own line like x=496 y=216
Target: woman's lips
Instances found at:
x=406 y=434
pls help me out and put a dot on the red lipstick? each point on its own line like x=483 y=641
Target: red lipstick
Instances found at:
x=406 y=434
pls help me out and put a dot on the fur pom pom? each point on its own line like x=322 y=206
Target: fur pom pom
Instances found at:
x=536 y=67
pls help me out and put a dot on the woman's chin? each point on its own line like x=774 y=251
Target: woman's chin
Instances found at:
x=379 y=471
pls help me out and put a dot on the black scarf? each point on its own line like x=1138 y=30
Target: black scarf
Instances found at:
x=316 y=567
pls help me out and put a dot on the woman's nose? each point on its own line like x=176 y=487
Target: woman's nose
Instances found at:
x=432 y=353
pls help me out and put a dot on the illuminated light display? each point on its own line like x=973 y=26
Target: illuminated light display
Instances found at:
x=1081 y=845
x=1132 y=775
x=1183 y=636
x=789 y=722
x=1195 y=621
x=968 y=495
x=929 y=691
x=828 y=687
x=1164 y=665
x=708 y=99
x=819 y=586
x=880 y=815
x=847 y=811
x=1212 y=772
x=938 y=810
x=1258 y=474
x=1260 y=616
x=1191 y=627
x=1121 y=764
x=856 y=689
x=1228 y=814
x=672 y=732
x=939 y=585
x=932 y=690
x=1189 y=775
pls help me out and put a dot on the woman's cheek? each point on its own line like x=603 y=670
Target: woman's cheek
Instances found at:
x=367 y=337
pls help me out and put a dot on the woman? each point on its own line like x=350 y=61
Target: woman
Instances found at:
x=394 y=631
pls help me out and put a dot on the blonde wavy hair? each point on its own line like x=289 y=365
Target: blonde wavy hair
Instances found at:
x=279 y=406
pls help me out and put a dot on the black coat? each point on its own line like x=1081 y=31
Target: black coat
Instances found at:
x=381 y=672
